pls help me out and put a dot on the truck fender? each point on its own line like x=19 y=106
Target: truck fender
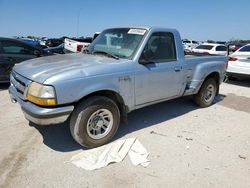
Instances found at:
x=201 y=72
x=108 y=91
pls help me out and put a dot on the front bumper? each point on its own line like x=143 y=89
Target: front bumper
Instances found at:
x=40 y=115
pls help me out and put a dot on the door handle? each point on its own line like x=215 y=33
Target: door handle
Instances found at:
x=177 y=69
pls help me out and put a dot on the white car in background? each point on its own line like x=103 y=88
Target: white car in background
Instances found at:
x=239 y=63
x=190 y=44
x=76 y=45
x=211 y=48
x=186 y=48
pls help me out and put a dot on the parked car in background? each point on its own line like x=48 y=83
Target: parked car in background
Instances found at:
x=211 y=49
x=42 y=41
x=14 y=51
x=56 y=50
x=191 y=44
x=54 y=42
x=235 y=46
x=32 y=42
x=186 y=49
x=239 y=63
x=76 y=45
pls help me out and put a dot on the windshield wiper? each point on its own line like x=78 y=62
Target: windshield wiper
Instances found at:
x=106 y=53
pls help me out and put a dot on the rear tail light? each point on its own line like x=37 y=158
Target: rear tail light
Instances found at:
x=232 y=59
x=79 y=48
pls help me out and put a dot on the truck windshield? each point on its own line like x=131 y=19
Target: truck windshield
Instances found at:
x=120 y=42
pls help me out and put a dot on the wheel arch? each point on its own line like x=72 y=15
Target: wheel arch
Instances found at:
x=113 y=95
x=216 y=77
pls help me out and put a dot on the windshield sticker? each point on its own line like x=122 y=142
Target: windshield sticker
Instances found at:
x=137 y=31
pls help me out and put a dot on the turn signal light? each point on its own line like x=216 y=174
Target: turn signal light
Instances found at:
x=41 y=102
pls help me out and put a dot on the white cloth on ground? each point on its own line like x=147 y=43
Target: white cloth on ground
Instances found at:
x=112 y=153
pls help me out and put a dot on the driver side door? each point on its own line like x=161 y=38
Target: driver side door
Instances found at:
x=159 y=75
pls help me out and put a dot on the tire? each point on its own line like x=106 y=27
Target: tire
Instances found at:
x=95 y=121
x=206 y=94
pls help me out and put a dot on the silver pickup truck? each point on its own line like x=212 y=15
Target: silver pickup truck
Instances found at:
x=122 y=70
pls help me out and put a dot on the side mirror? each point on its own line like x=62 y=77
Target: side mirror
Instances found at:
x=144 y=61
x=37 y=53
x=146 y=56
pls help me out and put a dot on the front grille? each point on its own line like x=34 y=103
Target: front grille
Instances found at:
x=20 y=83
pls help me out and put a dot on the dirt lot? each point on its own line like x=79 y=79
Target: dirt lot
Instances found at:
x=188 y=146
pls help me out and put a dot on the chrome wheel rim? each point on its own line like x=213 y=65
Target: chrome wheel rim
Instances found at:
x=99 y=124
x=209 y=93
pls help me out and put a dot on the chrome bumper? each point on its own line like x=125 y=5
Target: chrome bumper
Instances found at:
x=40 y=115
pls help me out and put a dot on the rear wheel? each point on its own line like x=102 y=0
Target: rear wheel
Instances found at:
x=95 y=121
x=206 y=95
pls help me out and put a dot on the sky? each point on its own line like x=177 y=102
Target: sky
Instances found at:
x=219 y=20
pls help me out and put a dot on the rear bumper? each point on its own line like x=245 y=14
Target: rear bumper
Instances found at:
x=234 y=69
x=40 y=115
x=235 y=74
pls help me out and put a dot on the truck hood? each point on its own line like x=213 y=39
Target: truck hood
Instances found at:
x=76 y=65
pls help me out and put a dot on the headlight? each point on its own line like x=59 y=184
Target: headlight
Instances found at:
x=41 y=94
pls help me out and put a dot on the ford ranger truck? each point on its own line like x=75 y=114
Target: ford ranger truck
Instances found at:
x=124 y=69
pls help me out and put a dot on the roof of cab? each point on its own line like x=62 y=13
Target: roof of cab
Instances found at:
x=145 y=27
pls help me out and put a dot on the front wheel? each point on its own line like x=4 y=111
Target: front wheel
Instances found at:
x=95 y=121
x=206 y=95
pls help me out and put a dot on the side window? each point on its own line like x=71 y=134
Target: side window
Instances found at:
x=245 y=49
x=11 y=47
x=221 y=48
x=160 y=48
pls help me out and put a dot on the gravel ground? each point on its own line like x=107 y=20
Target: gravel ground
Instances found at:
x=188 y=146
